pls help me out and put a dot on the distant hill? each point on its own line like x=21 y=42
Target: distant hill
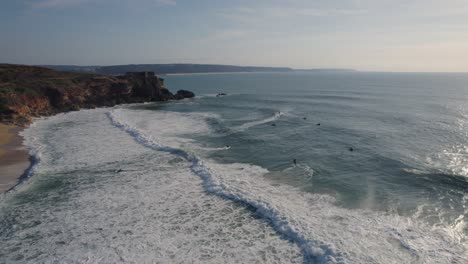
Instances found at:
x=72 y=68
x=166 y=68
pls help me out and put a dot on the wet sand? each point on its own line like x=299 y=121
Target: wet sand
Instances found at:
x=14 y=159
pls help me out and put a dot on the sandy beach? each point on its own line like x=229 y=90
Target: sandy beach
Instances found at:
x=14 y=159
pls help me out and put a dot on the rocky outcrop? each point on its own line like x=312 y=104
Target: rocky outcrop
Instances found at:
x=28 y=91
x=181 y=94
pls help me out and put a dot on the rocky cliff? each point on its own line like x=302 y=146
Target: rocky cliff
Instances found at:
x=28 y=91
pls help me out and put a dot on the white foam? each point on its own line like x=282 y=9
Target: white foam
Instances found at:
x=156 y=209
x=208 y=149
x=166 y=128
x=301 y=170
x=415 y=171
x=213 y=95
x=78 y=209
x=325 y=232
x=455 y=159
x=254 y=123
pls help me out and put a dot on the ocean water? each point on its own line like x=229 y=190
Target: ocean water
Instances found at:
x=381 y=174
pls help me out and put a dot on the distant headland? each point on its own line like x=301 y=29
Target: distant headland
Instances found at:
x=177 y=68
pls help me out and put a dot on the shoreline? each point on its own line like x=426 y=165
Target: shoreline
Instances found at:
x=15 y=160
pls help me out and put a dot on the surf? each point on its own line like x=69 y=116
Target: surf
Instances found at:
x=312 y=221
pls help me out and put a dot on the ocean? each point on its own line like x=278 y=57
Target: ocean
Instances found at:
x=380 y=174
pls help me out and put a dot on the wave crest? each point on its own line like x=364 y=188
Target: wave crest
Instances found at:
x=324 y=232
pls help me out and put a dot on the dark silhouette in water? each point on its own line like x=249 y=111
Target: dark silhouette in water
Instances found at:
x=220 y=94
x=351 y=149
x=120 y=170
x=295 y=162
x=304 y=118
x=273 y=124
x=318 y=124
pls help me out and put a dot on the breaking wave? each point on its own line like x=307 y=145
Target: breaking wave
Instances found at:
x=325 y=232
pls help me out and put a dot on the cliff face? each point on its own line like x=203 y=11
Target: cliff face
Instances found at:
x=27 y=91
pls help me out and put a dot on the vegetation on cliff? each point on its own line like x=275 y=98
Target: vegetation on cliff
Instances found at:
x=29 y=91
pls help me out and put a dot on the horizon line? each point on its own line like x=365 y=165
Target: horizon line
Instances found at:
x=257 y=66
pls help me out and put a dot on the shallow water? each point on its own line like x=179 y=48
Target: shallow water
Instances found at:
x=212 y=180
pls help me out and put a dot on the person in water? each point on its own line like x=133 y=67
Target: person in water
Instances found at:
x=295 y=162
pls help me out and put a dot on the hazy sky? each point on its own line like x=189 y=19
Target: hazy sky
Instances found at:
x=394 y=35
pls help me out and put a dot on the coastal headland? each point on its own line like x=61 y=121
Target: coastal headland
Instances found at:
x=27 y=92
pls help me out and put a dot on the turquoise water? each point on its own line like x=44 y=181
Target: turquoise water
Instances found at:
x=212 y=179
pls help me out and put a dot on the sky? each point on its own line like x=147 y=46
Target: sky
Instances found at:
x=374 y=35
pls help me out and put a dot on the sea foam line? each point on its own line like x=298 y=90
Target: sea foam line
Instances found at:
x=312 y=250
x=34 y=151
x=250 y=124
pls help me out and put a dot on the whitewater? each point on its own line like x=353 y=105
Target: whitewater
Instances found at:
x=189 y=182
x=168 y=205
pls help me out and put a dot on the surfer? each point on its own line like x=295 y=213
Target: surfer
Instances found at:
x=295 y=162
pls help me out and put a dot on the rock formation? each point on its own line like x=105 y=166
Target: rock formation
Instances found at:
x=181 y=94
x=28 y=91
